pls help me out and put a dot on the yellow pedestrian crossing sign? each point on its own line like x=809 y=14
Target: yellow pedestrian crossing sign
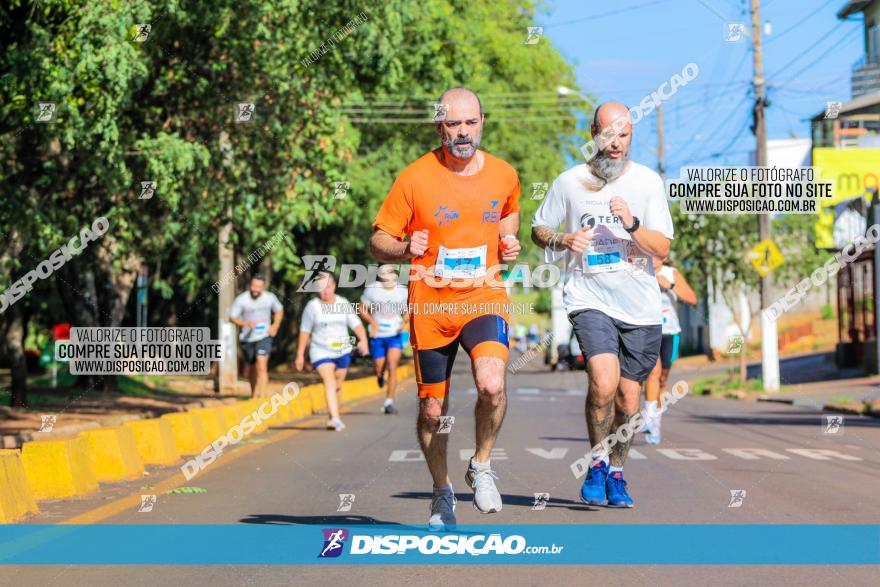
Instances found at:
x=765 y=257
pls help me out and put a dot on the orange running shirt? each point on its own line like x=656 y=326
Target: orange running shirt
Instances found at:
x=461 y=215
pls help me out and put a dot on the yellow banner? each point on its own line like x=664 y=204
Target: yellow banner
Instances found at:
x=851 y=172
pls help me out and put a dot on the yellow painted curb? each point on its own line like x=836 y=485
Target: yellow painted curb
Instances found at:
x=213 y=423
x=230 y=416
x=188 y=433
x=254 y=405
x=319 y=398
x=58 y=468
x=154 y=439
x=16 y=498
x=113 y=453
x=298 y=407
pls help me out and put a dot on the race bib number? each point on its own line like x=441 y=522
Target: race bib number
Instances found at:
x=605 y=257
x=261 y=328
x=461 y=263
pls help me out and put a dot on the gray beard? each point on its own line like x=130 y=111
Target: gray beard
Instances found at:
x=607 y=168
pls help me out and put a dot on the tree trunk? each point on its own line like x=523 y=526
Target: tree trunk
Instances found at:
x=13 y=342
x=742 y=363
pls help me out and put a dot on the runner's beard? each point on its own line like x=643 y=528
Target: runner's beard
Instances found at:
x=607 y=168
x=463 y=148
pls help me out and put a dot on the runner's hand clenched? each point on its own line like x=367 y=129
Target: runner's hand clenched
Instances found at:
x=620 y=208
x=510 y=248
x=418 y=243
x=577 y=241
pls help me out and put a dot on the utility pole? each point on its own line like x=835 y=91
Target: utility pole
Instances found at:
x=769 y=337
x=661 y=164
x=227 y=376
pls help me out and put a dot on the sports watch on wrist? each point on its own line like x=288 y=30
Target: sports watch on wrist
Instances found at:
x=634 y=227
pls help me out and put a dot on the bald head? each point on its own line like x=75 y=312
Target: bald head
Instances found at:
x=607 y=113
x=612 y=132
x=461 y=97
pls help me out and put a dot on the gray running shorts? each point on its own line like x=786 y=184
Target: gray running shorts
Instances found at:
x=636 y=347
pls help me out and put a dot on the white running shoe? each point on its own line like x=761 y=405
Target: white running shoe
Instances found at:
x=442 y=510
x=337 y=425
x=487 y=500
x=654 y=431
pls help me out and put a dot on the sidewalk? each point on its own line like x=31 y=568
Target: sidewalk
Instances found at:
x=809 y=379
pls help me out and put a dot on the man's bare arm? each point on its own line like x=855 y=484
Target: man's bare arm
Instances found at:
x=652 y=241
x=546 y=237
x=387 y=249
x=509 y=225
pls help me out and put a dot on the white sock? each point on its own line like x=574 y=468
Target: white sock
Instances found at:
x=478 y=465
x=445 y=489
x=388 y=401
x=615 y=470
x=602 y=458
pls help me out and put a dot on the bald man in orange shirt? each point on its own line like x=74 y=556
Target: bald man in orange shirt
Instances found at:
x=459 y=208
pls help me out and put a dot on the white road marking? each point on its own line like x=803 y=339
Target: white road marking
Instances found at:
x=400 y=456
x=677 y=454
x=755 y=454
x=528 y=391
x=498 y=454
x=821 y=454
x=636 y=455
x=554 y=453
x=687 y=454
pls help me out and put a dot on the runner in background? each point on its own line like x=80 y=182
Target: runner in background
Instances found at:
x=324 y=331
x=258 y=313
x=673 y=288
x=383 y=307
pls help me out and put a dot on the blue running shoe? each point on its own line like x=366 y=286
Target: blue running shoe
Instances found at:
x=593 y=489
x=615 y=487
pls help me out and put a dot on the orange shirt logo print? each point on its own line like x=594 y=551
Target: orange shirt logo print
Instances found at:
x=445 y=216
x=492 y=215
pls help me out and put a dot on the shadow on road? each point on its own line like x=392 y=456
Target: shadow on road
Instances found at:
x=315 y=520
x=816 y=419
x=506 y=499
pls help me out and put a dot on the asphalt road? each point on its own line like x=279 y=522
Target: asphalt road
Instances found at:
x=789 y=470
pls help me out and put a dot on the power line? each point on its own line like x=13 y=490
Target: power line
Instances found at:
x=798 y=23
x=604 y=14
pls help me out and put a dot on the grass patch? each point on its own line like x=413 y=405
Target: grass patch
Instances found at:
x=842 y=399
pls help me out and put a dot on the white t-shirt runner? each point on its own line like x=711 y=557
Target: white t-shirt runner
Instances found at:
x=328 y=324
x=669 y=304
x=613 y=275
x=387 y=306
x=258 y=310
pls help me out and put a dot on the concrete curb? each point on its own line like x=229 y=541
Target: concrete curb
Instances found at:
x=154 y=439
x=189 y=437
x=113 y=453
x=58 y=468
x=16 y=500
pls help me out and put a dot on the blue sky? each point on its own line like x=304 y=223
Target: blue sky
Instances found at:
x=638 y=44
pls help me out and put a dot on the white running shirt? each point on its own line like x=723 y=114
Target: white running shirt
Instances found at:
x=669 y=304
x=614 y=275
x=328 y=325
x=387 y=306
x=259 y=310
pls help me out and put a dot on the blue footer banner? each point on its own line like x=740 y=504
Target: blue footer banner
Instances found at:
x=587 y=544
